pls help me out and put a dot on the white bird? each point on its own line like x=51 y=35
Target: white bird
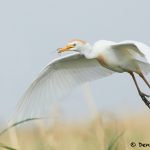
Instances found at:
x=90 y=62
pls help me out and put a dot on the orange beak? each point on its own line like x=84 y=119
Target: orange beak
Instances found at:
x=66 y=48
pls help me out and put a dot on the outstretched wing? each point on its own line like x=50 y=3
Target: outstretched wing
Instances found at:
x=139 y=50
x=57 y=79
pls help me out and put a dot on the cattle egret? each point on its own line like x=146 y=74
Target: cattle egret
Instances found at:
x=87 y=63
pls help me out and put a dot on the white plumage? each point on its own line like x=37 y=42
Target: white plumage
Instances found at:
x=89 y=63
x=57 y=79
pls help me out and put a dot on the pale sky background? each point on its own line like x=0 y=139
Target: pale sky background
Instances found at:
x=31 y=29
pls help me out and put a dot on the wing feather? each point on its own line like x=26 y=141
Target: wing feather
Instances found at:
x=57 y=79
x=139 y=50
x=127 y=46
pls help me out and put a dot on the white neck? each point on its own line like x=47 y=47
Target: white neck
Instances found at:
x=87 y=51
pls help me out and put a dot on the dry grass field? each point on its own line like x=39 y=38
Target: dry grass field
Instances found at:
x=107 y=133
x=100 y=132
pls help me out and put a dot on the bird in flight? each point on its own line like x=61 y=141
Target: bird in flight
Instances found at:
x=86 y=63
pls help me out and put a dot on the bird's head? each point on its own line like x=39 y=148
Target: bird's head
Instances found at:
x=74 y=45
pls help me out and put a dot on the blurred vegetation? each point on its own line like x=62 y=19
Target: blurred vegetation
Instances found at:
x=100 y=133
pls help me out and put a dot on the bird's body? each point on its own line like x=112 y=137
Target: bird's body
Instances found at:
x=89 y=63
x=119 y=57
x=111 y=59
x=114 y=59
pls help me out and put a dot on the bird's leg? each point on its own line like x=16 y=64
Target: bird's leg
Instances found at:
x=139 y=91
x=144 y=79
x=142 y=95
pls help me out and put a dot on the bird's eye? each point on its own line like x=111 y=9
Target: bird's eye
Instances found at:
x=74 y=44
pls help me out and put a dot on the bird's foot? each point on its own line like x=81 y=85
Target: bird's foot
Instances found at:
x=144 y=98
